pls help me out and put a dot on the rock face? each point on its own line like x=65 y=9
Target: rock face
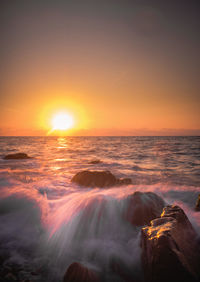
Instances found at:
x=143 y=207
x=17 y=156
x=98 y=179
x=170 y=250
x=197 y=208
x=76 y=272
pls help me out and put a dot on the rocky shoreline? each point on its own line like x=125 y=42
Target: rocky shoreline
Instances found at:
x=170 y=247
x=170 y=251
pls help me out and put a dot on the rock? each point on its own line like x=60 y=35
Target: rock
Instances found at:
x=10 y=277
x=17 y=156
x=76 y=272
x=197 y=208
x=124 y=181
x=143 y=207
x=123 y=271
x=95 y=178
x=170 y=250
x=95 y=162
x=98 y=179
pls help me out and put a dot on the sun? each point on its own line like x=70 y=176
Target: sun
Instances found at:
x=62 y=121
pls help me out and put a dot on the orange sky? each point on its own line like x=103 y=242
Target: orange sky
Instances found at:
x=113 y=71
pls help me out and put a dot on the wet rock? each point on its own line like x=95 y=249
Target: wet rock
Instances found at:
x=123 y=271
x=95 y=162
x=10 y=277
x=95 y=178
x=76 y=272
x=98 y=179
x=197 y=208
x=143 y=207
x=11 y=271
x=17 y=156
x=170 y=250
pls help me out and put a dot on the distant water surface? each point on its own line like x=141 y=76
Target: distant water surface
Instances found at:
x=147 y=160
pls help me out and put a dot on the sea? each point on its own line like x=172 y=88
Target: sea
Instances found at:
x=47 y=222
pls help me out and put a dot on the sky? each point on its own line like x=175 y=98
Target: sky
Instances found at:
x=119 y=67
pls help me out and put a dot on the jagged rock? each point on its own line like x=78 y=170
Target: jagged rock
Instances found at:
x=170 y=250
x=143 y=207
x=197 y=208
x=98 y=179
x=76 y=272
x=17 y=156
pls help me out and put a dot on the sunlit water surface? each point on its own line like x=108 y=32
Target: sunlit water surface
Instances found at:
x=47 y=222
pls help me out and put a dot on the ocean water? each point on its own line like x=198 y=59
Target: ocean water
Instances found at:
x=47 y=222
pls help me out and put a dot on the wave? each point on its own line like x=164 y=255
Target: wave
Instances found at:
x=83 y=225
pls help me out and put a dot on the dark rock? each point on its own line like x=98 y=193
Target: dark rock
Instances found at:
x=95 y=162
x=76 y=272
x=98 y=179
x=34 y=273
x=4 y=254
x=126 y=273
x=197 y=208
x=143 y=207
x=17 y=156
x=95 y=178
x=170 y=250
x=10 y=277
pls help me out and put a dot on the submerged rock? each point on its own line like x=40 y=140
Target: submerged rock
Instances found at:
x=143 y=207
x=17 y=156
x=125 y=181
x=197 y=208
x=98 y=179
x=170 y=250
x=76 y=272
x=95 y=162
x=10 y=271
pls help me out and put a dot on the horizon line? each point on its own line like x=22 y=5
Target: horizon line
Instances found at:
x=99 y=136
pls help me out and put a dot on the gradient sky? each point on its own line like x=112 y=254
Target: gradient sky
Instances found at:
x=120 y=67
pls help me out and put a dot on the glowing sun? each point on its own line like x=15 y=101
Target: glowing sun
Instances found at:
x=62 y=121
